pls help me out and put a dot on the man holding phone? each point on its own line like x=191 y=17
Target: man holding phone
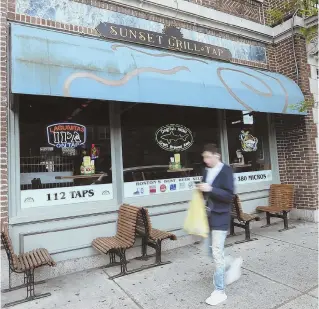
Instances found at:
x=218 y=190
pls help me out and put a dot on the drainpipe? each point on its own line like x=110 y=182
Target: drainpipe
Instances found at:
x=293 y=44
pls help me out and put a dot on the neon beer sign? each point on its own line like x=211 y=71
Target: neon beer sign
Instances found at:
x=66 y=135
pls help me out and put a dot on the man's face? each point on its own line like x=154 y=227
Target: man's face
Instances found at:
x=210 y=159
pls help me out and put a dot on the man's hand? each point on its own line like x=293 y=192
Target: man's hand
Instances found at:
x=204 y=187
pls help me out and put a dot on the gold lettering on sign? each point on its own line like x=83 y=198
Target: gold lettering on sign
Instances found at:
x=171 y=42
x=163 y=41
x=179 y=44
x=123 y=33
x=188 y=47
x=113 y=30
x=133 y=34
x=160 y=37
x=142 y=36
x=150 y=38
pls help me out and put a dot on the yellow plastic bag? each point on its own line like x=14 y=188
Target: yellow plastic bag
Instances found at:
x=196 y=221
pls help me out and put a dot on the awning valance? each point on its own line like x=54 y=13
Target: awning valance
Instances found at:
x=46 y=62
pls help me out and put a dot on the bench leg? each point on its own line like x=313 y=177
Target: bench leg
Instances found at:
x=285 y=218
x=157 y=245
x=112 y=256
x=268 y=220
x=29 y=279
x=144 y=256
x=247 y=234
x=18 y=287
x=158 y=254
x=123 y=263
x=232 y=228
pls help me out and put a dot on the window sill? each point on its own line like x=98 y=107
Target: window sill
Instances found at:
x=63 y=212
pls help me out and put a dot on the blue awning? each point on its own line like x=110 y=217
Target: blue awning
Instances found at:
x=46 y=62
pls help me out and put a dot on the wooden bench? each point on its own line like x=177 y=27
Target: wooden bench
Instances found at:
x=281 y=201
x=123 y=240
x=132 y=221
x=243 y=220
x=25 y=263
x=151 y=237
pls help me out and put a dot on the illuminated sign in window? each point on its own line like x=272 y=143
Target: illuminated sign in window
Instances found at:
x=248 y=142
x=174 y=137
x=66 y=135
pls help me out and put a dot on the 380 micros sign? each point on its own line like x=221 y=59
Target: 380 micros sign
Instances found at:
x=66 y=135
x=252 y=177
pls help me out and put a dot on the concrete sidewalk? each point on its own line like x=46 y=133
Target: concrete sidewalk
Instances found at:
x=280 y=271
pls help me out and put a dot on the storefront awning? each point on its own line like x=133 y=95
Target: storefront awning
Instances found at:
x=46 y=62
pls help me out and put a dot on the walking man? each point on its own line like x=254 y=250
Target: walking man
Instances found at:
x=218 y=190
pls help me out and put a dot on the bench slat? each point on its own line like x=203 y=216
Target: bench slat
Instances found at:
x=161 y=235
x=33 y=258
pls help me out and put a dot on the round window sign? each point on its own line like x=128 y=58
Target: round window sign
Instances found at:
x=174 y=137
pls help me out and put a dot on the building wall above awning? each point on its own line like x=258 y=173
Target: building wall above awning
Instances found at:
x=46 y=62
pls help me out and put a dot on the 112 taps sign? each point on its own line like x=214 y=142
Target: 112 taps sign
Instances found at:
x=66 y=135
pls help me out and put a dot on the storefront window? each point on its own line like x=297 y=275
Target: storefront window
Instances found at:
x=248 y=146
x=65 y=151
x=162 y=146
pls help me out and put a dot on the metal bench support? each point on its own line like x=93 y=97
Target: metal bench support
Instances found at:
x=29 y=283
x=283 y=216
x=245 y=226
x=155 y=244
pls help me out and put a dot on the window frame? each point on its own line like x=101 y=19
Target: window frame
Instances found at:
x=18 y=215
x=169 y=197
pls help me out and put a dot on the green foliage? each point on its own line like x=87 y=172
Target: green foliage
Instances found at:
x=309 y=33
x=304 y=8
x=303 y=106
x=308 y=8
x=276 y=15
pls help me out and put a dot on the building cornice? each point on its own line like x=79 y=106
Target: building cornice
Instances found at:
x=184 y=11
x=311 y=21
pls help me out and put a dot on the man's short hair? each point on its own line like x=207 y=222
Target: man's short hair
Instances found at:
x=212 y=148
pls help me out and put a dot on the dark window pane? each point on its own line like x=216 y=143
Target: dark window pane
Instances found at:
x=143 y=155
x=248 y=144
x=64 y=142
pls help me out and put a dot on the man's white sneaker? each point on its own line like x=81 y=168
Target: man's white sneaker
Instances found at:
x=216 y=298
x=234 y=272
x=229 y=260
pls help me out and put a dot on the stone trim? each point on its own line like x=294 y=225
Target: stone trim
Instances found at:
x=305 y=214
x=250 y=10
x=36 y=21
x=4 y=7
x=296 y=135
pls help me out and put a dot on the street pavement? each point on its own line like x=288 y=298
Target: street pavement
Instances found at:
x=280 y=271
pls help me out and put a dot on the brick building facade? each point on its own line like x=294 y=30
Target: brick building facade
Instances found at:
x=297 y=157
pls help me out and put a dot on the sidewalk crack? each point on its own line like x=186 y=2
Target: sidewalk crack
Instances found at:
x=294 y=298
x=284 y=241
x=129 y=296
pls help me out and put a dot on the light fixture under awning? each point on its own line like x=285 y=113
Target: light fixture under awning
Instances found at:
x=46 y=62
